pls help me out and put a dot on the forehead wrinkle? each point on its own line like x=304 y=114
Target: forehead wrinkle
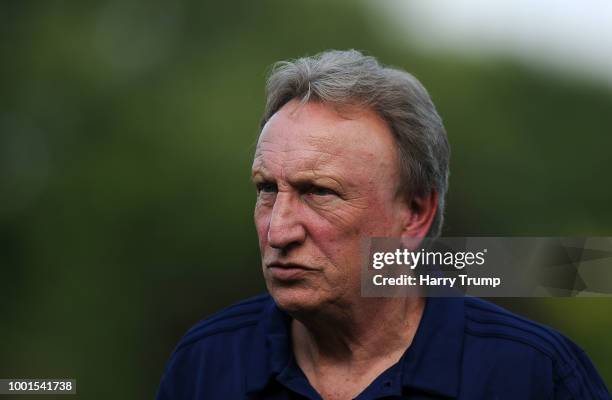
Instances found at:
x=313 y=143
x=321 y=152
x=322 y=138
x=291 y=153
x=307 y=170
x=323 y=164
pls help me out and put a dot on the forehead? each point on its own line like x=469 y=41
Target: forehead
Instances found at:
x=314 y=136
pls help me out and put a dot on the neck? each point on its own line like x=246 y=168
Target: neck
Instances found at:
x=371 y=329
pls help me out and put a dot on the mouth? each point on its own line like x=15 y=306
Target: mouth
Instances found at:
x=288 y=271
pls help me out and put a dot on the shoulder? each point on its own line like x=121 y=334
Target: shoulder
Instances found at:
x=487 y=320
x=211 y=360
x=231 y=320
x=518 y=346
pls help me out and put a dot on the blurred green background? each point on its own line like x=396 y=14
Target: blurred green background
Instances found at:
x=126 y=135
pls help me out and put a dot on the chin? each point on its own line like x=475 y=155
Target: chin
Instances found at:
x=295 y=300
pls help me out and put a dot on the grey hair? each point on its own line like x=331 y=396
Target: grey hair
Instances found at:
x=348 y=78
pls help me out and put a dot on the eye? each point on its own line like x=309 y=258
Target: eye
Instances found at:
x=321 y=191
x=266 y=187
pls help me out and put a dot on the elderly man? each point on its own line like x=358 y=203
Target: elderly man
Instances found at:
x=351 y=150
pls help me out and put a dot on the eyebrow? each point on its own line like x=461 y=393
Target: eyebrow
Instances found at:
x=259 y=171
x=302 y=179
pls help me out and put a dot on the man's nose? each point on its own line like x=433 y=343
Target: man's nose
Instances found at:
x=285 y=229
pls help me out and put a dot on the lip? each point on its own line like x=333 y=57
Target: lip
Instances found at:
x=288 y=271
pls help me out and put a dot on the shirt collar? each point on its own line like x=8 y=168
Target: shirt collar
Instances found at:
x=272 y=348
x=432 y=363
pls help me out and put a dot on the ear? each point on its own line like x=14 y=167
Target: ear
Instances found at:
x=419 y=218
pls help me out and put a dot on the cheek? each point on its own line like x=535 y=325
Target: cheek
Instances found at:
x=337 y=244
x=262 y=222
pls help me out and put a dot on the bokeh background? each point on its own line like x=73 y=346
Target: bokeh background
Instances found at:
x=127 y=129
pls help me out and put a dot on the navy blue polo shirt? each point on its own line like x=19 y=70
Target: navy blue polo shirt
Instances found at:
x=464 y=348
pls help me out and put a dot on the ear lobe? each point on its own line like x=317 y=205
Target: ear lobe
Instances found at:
x=422 y=212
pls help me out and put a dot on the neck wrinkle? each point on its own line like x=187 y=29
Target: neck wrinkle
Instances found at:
x=378 y=329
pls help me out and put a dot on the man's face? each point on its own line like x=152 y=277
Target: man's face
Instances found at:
x=325 y=181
